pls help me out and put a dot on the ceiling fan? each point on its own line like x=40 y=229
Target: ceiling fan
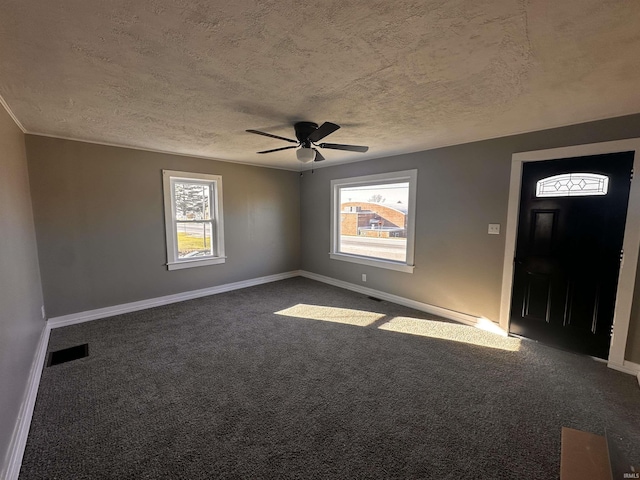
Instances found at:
x=308 y=135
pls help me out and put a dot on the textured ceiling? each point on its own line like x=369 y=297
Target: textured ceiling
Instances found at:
x=190 y=76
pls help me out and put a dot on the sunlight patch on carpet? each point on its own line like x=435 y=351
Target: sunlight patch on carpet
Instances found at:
x=449 y=331
x=361 y=318
x=485 y=334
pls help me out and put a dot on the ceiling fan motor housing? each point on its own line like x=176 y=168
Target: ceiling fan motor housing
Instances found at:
x=303 y=130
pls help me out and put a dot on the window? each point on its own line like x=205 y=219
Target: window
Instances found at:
x=193 y=219
x=372 y=220
x=573 y=185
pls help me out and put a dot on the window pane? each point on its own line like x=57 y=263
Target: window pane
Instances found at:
x=573 y=185
x=373 y=221
x=192 y=201
x=194 y=239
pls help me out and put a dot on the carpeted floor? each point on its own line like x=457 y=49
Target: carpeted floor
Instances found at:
x=330 y=387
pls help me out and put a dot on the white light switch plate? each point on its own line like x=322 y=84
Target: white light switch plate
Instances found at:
x=494 y=229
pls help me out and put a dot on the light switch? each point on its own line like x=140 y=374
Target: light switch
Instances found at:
x=494 y=229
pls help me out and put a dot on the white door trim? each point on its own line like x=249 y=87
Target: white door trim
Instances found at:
x=631 y=243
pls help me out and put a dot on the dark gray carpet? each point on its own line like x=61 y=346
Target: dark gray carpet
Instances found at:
x=221 y=387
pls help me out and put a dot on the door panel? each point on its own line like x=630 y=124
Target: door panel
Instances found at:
x=536 y=300
x=582 y=305
x=542 y=231
x=568 y=250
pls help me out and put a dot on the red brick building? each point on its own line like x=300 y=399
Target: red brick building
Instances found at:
x=373 y=219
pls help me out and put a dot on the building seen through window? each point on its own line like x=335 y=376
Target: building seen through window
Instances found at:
x=373 y=220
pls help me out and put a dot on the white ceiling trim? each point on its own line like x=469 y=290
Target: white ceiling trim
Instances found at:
x=11 y=114
x=153 y=150
x=315 y=166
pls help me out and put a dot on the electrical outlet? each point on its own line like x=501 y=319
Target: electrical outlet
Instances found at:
x=44 y=316
x=494 y=229
x=364 y=277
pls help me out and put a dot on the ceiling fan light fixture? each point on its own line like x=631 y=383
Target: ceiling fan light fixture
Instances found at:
x=306 y=155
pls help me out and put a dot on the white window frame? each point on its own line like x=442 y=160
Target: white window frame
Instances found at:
x=410 y=176
x=217 y=223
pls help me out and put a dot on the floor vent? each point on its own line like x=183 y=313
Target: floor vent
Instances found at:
x=68 y=354
x=374 y=299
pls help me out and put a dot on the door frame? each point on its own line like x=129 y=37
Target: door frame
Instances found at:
x=631 y=242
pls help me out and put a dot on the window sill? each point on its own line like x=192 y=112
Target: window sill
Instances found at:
x=195 y=263
x=372 y=262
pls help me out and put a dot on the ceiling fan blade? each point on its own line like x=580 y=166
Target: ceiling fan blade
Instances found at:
x=322 y=131
x=258 y=132
x=278 y=149
x=319 y=156
x=350 y=148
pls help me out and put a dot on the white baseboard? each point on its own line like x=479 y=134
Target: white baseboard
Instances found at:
x=23 y=422
x=464 y=318
x=18 y=442
x=80 y=317
x=627 y=367
x=485 y=324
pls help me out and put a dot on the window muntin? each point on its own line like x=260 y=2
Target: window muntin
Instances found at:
x=573 y=185
x=193 y=217
x=373 y=220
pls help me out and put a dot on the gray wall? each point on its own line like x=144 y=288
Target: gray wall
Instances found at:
x=461 y=189
x=100 y=223
x=21 y=322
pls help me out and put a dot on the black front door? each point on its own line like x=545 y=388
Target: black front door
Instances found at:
x=570 y=232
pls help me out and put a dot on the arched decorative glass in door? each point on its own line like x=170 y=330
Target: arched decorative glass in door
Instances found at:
x=573 y=184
